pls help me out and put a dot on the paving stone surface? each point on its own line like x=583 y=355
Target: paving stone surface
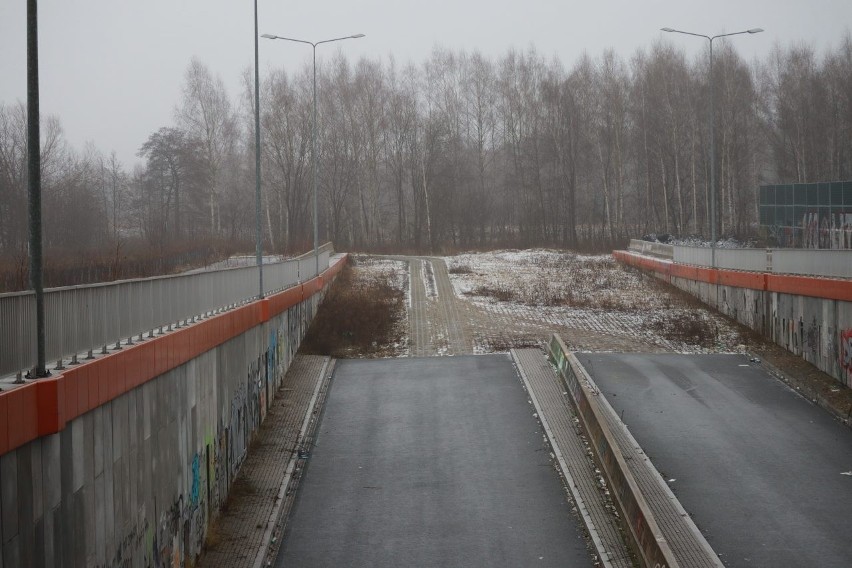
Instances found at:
x=555 y=409
x=240 y=530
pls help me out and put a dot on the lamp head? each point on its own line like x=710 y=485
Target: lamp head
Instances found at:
x=666 y=30
x=356 y=36
x=755 y=30
x=269 y=36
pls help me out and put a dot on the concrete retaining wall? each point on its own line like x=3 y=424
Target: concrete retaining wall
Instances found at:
x=645 y=536
x=809 y=316
x=123 y=461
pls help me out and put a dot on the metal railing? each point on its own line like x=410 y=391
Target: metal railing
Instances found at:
x=96 y=317
x=731 y=259
x=811 y=262
x=833 y=263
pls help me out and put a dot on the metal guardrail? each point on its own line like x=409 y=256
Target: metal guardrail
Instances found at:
x=811 y=262
x=644 y=533
x=95 y=317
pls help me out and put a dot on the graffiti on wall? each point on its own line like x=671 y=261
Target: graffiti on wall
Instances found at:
x=179 y=533
x=196 y=480
x=174 y=536
x=846 y=350
x=782 y=236
x=812 y=337
x=829 y=231
x=132 y=541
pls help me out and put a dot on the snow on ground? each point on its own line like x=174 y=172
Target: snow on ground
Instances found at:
x=692 y=241
x=515 y=298
x=594 y=294
x=395 y=271
x=429 y=280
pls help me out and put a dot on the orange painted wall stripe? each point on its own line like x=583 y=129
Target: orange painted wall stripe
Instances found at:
x=751 y=280
x=829 y=288
x=50 y=401
x=22 y=414
x=44 y=407
x=811 y=286
x=71 y=379
x=4 y=425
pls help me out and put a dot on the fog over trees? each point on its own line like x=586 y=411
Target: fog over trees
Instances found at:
x=459 y=151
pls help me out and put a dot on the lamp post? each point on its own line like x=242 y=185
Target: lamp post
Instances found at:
x=34 y=186
x=712 y=132
x=314 y=134
x=257 y=234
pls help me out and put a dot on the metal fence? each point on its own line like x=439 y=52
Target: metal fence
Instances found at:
x=833 y=263
x=732 y=259
x=813 y=262
x=90 y=318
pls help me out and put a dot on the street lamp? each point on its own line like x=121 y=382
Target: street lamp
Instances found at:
x=34 y=187
x=713 y=133
x=258 y=241
x=314 y=135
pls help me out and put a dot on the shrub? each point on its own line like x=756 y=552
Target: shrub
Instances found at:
x=359 y=315
x=460 y=269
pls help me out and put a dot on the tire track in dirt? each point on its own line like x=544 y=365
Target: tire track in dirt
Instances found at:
x=435 y=323
x=418 y=322
x=458 y=342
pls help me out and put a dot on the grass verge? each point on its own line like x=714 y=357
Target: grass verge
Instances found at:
x=359 y=316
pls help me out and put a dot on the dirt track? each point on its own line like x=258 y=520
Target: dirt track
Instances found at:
x=442 y=323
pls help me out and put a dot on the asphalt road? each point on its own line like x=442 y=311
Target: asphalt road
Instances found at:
x=431 y=462
x=759 y=468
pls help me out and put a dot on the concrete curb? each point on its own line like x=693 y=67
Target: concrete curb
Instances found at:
x=804 y=390
x=646 y=537
x=274 y=516
x=603 y=556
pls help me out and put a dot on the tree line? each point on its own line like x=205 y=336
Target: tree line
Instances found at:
x=459 y=151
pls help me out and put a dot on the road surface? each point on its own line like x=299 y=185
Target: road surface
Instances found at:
x=431 y=462
x=766 y=475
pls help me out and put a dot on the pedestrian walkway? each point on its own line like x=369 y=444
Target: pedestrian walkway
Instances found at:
x=560 y=423
x=248 y=523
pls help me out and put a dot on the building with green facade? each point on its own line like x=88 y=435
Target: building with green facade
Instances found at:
x=807 y=215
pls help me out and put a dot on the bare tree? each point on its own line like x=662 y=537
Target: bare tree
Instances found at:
x=206 y=114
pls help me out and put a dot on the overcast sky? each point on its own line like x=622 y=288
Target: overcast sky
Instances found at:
x=112 y=69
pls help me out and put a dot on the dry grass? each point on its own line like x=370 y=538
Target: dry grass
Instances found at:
x=460 y=269
x=561 y=279
x=358 y=317
x=500 y=293
x=687 y=327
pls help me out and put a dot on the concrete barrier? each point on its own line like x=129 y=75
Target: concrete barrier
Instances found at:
x=809 y=316
x=645 y=536
x=124 y=460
